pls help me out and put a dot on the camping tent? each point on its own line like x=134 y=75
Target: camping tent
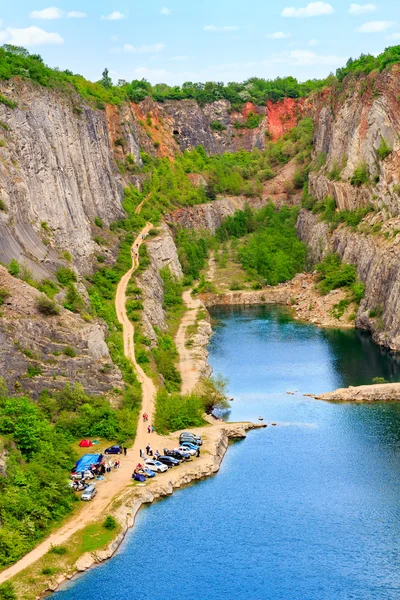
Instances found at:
x=85 y=444
x=87 y=461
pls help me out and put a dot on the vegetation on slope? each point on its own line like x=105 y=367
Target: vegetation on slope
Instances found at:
x=17 y=61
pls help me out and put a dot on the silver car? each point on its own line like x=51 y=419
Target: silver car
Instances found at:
x=156 y=466
x=89 y=493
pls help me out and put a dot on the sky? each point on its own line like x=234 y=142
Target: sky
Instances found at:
x=173 y=41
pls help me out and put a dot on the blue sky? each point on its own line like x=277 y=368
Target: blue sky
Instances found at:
x=173 y=41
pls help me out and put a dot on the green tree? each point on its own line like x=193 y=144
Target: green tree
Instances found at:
x=106 y=80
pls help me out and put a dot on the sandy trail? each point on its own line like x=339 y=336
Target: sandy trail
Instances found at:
x=187 y=360
x=119 y=478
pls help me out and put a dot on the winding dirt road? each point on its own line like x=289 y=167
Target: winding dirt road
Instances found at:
x=118 y=479
x=187 y=360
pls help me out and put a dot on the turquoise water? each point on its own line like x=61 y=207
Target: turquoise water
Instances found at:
x=307 y=510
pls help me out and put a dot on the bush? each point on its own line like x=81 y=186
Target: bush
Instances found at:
x=59 y=550
x=7 y=102
x=384 y=150
x=333 y=274
x=73 y=300
x=3 y=206
x=14 y=268
x=48 y=287
x=110 y=523
x=377 y=380
x=175 y=412
x=98 y=222
x=217 y=126
x=65 y=276
x=361 y=175
x=3 y=296
x=49 y=570
x=33 y=371
x=47 y=306
x=7 y=591
x=68 y=351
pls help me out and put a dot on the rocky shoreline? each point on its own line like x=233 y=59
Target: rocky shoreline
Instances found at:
x=381 y=392
x=216 y=442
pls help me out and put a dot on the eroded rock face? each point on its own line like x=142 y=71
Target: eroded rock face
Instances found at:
x=30 y=339
x=378 y=266
x=57 y=169
x=350 y=129
x=386 y=392
x=163 y=253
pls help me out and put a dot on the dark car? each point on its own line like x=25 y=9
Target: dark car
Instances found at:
x=169 y=461
x=181 y=456
x=113 y=450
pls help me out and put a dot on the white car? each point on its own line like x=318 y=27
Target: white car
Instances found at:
x=82 y=475
x=156 y=466
x=188 y=450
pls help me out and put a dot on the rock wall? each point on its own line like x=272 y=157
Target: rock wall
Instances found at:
x=30 y=339
x=163 y=253
x=378 y=265
x=350 y=125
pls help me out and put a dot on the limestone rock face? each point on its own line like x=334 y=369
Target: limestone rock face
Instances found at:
x=378 y=266
x=57 y=169
x=349 y=131
x=163 y=253
x=382 y=392
x=30 y=339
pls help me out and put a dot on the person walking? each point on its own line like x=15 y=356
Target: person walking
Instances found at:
x=152 y=429
x=148 y=449
x=141 y=453
x=148 y=429
x=157 y=454
x=125 y=450
x=198 y=451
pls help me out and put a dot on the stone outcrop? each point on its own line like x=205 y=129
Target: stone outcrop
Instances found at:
x=381 y=392
x=30 y=339
x=163 y=253
x=378 y=266
x=350 y=127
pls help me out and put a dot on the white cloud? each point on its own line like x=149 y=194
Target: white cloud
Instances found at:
x=76 y=14
x=165 y=11
x=30 y=36
x=223 y=28
x=114 y=16
x=53 y=12
x=308 y=58
x=130 y=49
x=313 y=9
x=361 y=9
x=278 y=35
x=375 y=26
x=313 y=43
x=47 y=13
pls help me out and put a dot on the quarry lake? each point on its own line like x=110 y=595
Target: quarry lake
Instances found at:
x=306 y=510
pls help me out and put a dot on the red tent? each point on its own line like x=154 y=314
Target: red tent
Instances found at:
x=85 y=444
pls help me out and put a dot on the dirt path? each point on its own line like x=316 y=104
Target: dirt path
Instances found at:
x=118 y=479
x=187 y=360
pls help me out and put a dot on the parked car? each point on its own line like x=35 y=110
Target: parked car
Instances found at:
x=82 y=475
x=189 y=433
x=186 y=450
x=189 y=445
x=148 y=473
x=89 y=493
x=113 y=450
x=169 y=461
x=156 y=466
x=188 y=437
x=177 y=454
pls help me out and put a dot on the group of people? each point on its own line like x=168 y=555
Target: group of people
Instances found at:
x=149 y=452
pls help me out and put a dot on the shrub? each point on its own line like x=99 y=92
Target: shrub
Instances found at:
x=68 y=351
x=384 y=150
x=7 y=102
x=217 y=126
x=333 y=274
x=49 y=570
x=361 y=175
x=33 y=371
x=14 y=267
x=377 y=380
x=47 y=306
x=48 y=287
x=3 y=296
x=59 y=550
x=7 y=591
x=98 y=222
x=110 y=523
x=65 y=275
x=3 y=206
x=73 y=300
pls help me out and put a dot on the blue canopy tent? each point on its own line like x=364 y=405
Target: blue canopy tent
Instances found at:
x=87 y=461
